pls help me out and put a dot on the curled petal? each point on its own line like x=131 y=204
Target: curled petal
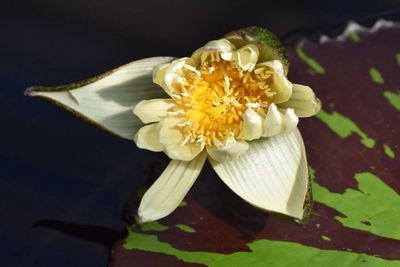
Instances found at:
x=273 y=121
x=252 y=125
x=168 y=191
x=147 y=138
x=222 y=46
x=272 y=175
x=222 y=152
x=247 y=57
x=303 y=101
x=174 y=74
x=280 y=85
x=153 y=110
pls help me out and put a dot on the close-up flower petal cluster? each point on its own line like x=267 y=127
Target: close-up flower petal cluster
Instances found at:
x=230 y=102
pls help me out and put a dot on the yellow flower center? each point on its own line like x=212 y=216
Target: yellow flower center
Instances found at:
x=211 y=100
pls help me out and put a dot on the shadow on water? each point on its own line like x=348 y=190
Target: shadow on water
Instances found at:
x=155 y=168
x=92 y=233
x=214 y=196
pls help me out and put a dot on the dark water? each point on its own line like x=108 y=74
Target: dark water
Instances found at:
x=63 y=184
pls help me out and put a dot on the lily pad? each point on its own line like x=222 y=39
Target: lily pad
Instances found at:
x=356 y=186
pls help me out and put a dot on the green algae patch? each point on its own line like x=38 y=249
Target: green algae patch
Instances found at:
x=354 y=37
x=312 y=63
x=326 y=238
x=388 y=151
x=376 y=76
x=393 y=98
x=261 y=253
x=185 y=228
x=398 y=58
x=344 y=127
x=373 y=206
x=153 y=226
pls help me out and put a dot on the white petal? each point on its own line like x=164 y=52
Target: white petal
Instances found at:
x=222 y=46
x=228 y=56
x=271 y=175
x=273 y=122
x=174 y=73
x=267 y=53
x=290 y=120
x=252 y=125
x=147 y=138
x=277 y=66
x=184 y=152
x=281 y=85
x=171 y=137
x=107 y=100
x=152 y=110
x=168 y=132
x=222 y=152
x=247 y=57
x=159 y=74
x=168 y=191
x=303 y=101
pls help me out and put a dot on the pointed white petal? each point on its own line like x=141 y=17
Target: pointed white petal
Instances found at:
x=152 y=110
x=168 y=191
x=303 y=101
x=147 y=138
x=107 y=100
x=271 y=175
x=159 y=74
x=290 y=120
x=222 y=152
x=273 y=122
x=252 y=125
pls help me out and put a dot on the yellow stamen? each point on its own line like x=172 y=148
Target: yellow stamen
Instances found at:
x=211 y=100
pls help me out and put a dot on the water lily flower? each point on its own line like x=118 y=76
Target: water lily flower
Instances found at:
x=230 y=102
